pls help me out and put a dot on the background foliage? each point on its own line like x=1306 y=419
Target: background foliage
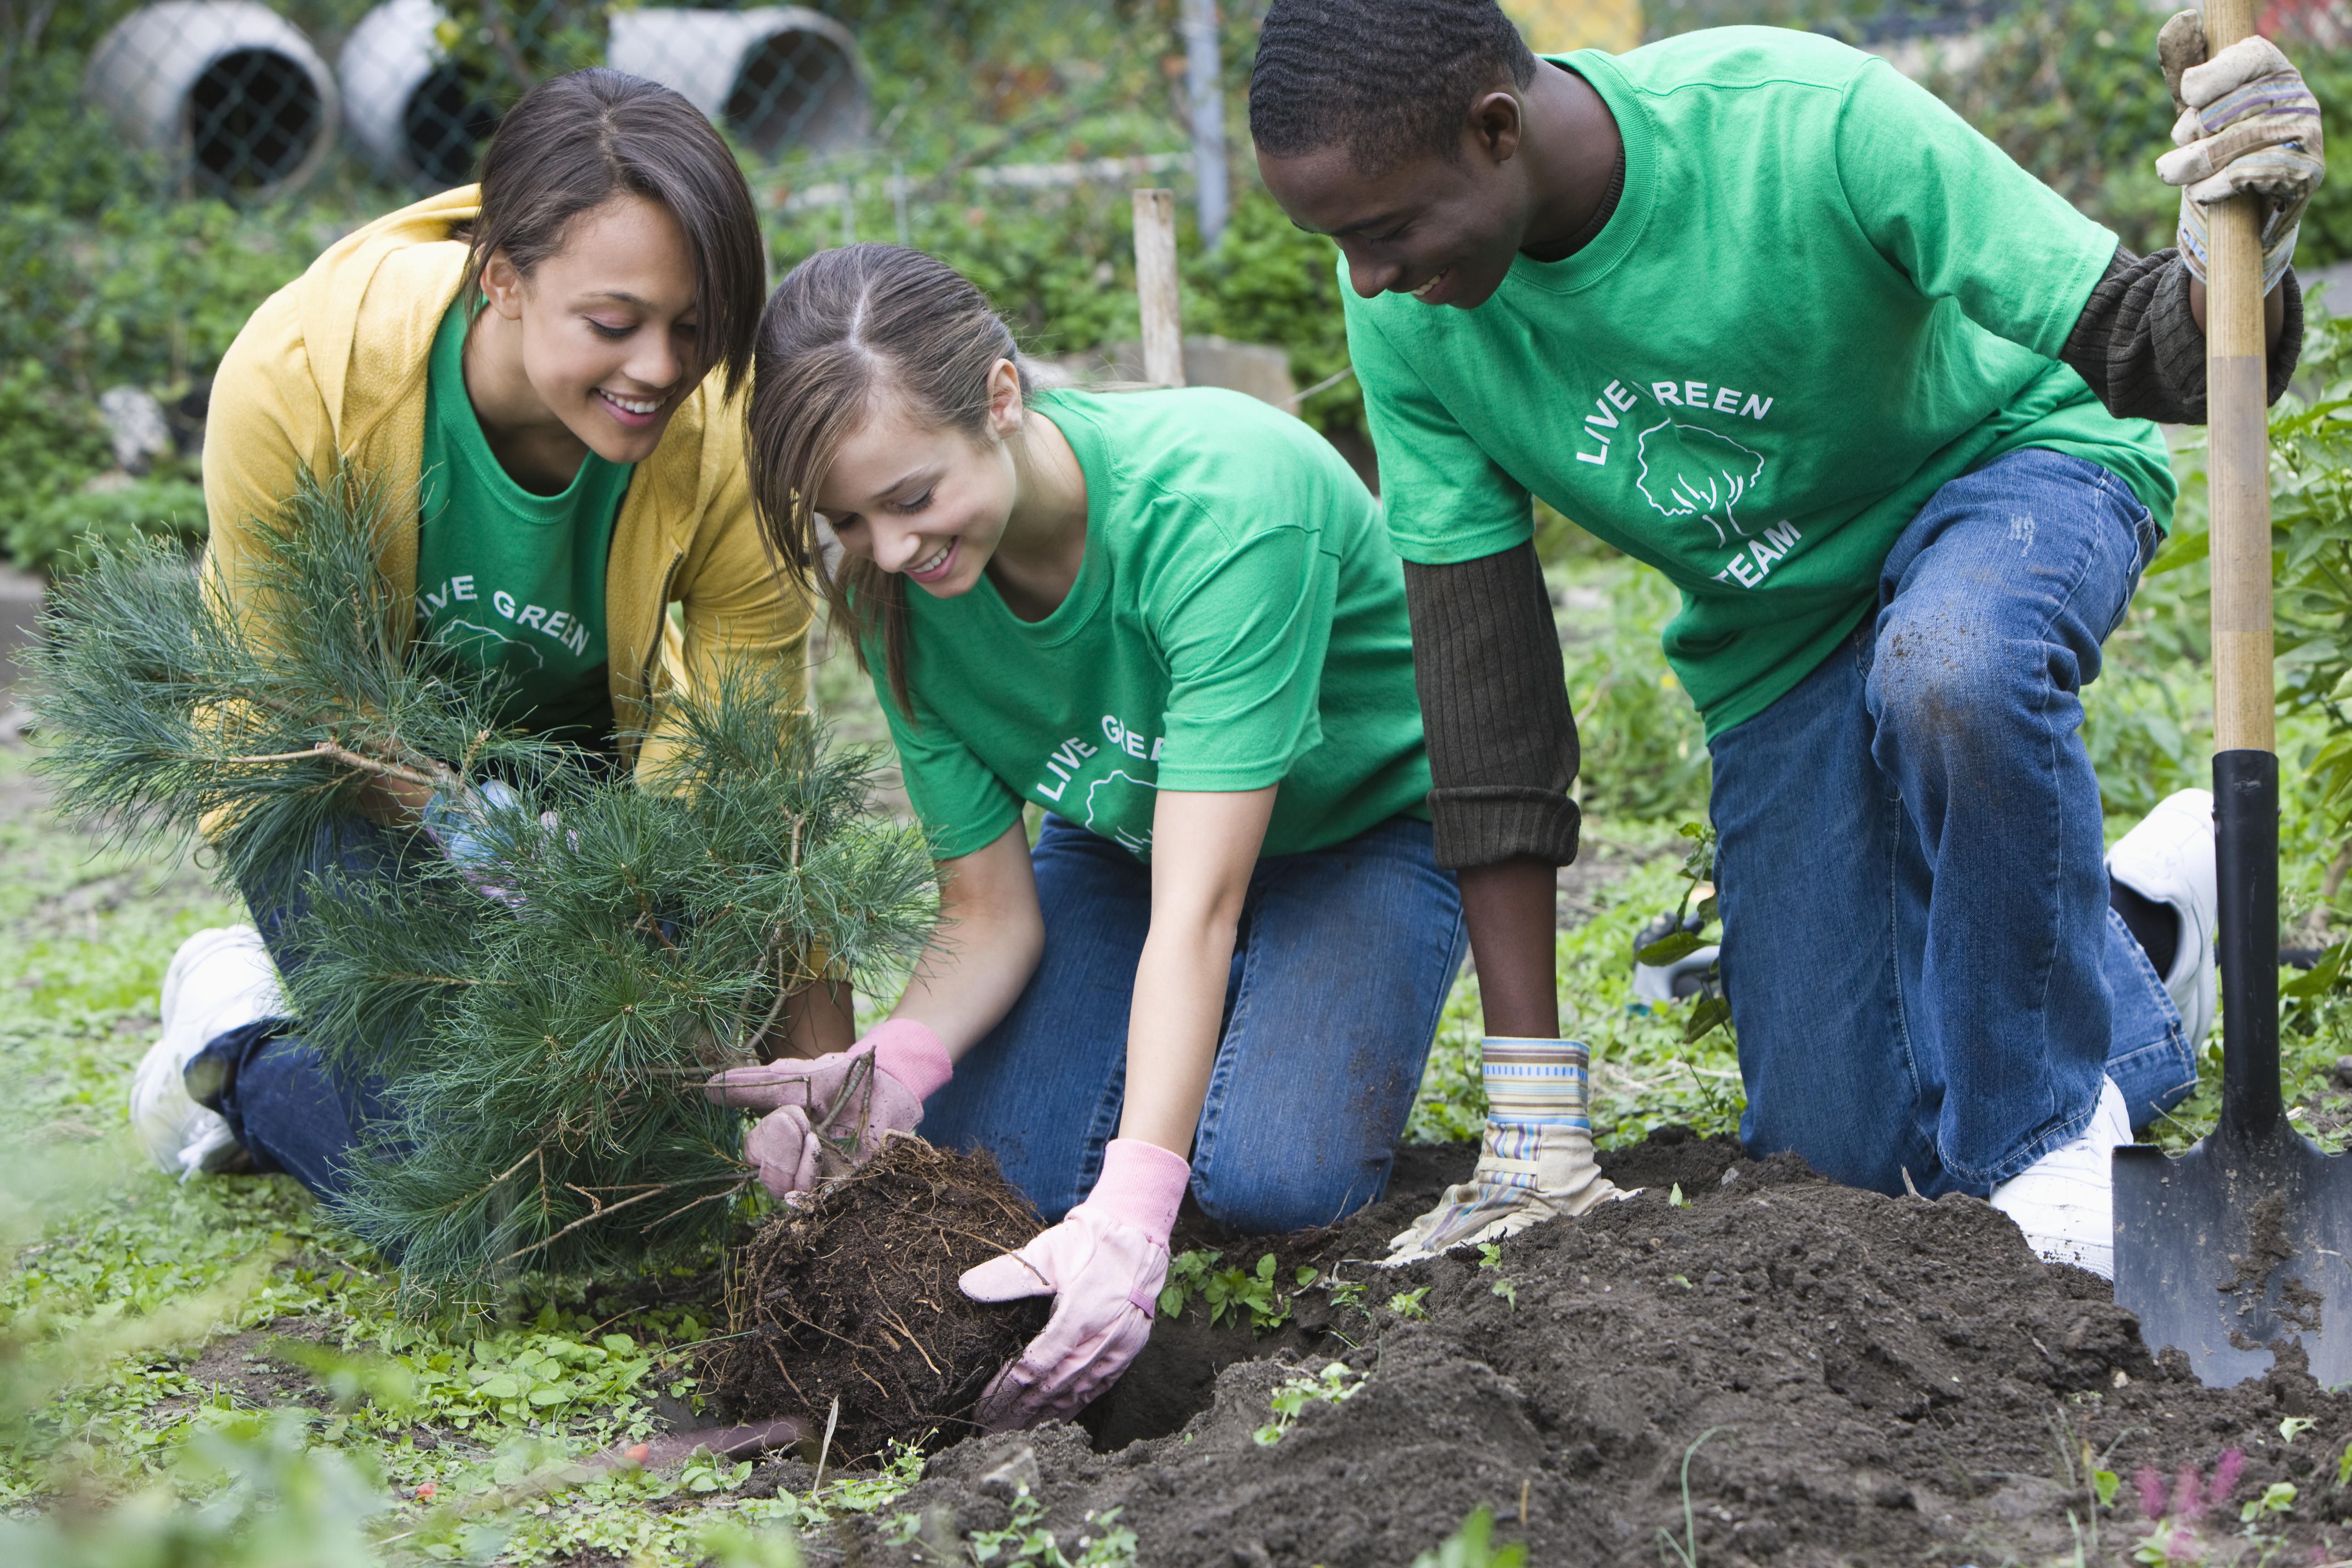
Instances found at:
x=110 y=274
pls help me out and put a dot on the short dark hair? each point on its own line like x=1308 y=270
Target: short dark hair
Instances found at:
x=1385 y=78
x=572 y=141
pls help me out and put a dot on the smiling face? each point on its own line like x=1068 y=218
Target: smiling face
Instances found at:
x=1442 y=230
x=924 y=500
x=606 y=325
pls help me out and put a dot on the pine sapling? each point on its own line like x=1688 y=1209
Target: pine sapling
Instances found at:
x=538 y=1054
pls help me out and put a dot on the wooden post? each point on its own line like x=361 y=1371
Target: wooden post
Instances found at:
x=1155 y=288
x=2238 y=471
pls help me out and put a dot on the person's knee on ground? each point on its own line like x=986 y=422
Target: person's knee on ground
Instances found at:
x=1277 y=1198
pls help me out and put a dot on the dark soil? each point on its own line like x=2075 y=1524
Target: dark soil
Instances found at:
x=1846 y=1378
x=854 y=1297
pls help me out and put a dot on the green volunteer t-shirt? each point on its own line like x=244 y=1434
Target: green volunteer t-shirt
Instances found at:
x=1820 y=296
x=1238 y=621
x=513 y=581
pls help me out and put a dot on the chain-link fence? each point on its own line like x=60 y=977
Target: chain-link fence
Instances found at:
x=239 y=99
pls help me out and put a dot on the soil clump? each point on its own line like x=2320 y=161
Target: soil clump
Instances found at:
x=854 y=1297
x=1844 y=1377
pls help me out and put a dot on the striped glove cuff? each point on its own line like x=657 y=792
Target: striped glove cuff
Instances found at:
x=1536 y=1082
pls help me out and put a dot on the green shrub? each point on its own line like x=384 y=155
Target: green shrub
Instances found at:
x=50 y=443
x=62 y=535
x=1270 y=281
x=1645 y=749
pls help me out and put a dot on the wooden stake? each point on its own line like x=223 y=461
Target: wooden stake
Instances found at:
x=2238 y=470
x=1155 y=288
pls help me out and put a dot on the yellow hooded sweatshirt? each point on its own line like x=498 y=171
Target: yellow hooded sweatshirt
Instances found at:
x=332 y=369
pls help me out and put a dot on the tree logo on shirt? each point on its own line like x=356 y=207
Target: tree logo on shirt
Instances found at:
x=1687 y=470
x=1117 y=799
x=483 y=642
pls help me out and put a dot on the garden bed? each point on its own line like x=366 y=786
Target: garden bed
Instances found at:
x=1745 y=1364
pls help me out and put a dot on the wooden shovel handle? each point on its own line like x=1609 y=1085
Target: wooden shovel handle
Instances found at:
x=2238 y=474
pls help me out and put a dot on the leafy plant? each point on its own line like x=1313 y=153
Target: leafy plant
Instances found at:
x=1336 y=1385
x=1710 y=1011
x=1408 y=1303
x=2277 y=1498
x=1472 y=1546
x=1236 y=1290
x=1490 y=1256
x=1105 y=1544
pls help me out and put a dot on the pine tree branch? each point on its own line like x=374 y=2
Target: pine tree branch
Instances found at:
x=602 y=1210
x=333 y=751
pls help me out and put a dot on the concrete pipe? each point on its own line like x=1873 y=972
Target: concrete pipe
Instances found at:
x=232 y=91
x=420 y=117
x=779 y=77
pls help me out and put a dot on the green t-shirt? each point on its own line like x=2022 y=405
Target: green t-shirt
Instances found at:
x=513 y=581
x=1821 y=296
x=1238 y=621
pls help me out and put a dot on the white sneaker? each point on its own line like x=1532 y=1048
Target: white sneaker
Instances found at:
x=2065 y=1201
x=220 y=979
x=2168 y=859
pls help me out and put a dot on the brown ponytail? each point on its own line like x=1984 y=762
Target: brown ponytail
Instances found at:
x=845 y=324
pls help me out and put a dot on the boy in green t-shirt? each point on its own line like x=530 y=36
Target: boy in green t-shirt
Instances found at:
x=1758 y=311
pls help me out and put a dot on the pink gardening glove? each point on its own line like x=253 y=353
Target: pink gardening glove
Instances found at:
x=1105 y=1264
x=827 y=1116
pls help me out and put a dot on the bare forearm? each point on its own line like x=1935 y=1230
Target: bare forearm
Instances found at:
x=970 y=977
x=1508 y=907
x=1172 y=1031
x=1205 y=845
x=990 y=937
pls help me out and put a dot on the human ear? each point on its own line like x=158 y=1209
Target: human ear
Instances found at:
x=1496 y=122
x=503 y=286
x=1004 y=410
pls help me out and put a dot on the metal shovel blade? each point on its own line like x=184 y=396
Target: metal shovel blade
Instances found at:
x=2238 y=1247
x=2235 y=1248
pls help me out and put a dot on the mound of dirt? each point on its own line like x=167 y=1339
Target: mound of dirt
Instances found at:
x=855 y=1297
x=1775 y=1370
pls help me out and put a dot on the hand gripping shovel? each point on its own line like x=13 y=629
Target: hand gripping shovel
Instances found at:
x=2239 y=1247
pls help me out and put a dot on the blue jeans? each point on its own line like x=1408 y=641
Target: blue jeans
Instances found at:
x=1340 y=970
x=278 y=1096
x=1922 y=966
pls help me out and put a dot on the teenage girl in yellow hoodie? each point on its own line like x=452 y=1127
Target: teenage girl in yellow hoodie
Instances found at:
x=549 y=361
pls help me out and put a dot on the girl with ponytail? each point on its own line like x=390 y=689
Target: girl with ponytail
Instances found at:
x=1170 y=620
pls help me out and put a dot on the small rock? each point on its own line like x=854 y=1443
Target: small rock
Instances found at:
x=135 y=426
x=939 y=1535
x=2342 y=1073
x=1008 y=1479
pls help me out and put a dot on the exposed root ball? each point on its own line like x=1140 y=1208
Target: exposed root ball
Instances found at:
x=855 y=1296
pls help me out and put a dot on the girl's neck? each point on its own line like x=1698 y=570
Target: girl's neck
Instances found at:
x=1036 y=563
x=538 y=450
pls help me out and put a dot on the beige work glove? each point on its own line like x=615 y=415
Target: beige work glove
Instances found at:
x=1535 y=1161
x=2248 y=126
